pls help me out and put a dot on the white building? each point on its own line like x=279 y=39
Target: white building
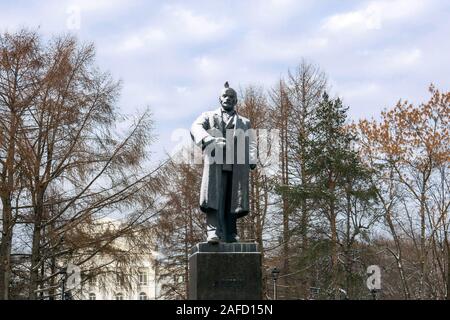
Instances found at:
x=141 y=284
x=136 y=282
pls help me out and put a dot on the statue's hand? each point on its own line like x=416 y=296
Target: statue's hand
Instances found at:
x=220 y=142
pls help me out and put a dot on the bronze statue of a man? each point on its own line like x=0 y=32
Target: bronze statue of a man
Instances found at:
x=229 y=152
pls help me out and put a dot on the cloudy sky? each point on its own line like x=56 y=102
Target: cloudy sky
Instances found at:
x=174 y=56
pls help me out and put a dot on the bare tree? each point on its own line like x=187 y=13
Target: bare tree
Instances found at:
x=292 y=104
x=180 y=226
x=254 y=106
x=19 y=67
x=410 y=148
x=74 y=164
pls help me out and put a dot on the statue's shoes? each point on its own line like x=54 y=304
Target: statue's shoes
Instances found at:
x=213 y=239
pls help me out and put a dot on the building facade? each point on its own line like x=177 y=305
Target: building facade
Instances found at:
x=140 y=283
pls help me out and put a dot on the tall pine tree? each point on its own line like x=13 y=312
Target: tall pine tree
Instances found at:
x=341 y=194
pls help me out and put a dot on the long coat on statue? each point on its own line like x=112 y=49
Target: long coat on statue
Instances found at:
x=210 y=124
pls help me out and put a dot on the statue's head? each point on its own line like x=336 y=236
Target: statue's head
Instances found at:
x=228 y=97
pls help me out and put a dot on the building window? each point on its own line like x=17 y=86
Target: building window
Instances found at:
x=93 y=282
x=142 y=296
x=143 y=278
x=119 y=296
x=92 y=296
x=120 y=280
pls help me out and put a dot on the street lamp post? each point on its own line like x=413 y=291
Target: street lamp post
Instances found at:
x=313 y=293
x=63 y=283
x=275 y=273
x=374 y=294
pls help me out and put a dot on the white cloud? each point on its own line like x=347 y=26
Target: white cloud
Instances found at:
x=149 y=37
x=315 y=43
x=258 y=47
x=271 y=14
x=374 y=15
x=197 y=26
x=208 y=66
x=52 y=16
x=181 y=89
x=176 y=57
x=173 y=28
x=357 y=90
x=368 y=18
x=100 y=6
x=391 y=61
x=404 y=58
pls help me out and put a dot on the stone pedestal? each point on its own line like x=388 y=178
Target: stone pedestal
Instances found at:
x=225 y=271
